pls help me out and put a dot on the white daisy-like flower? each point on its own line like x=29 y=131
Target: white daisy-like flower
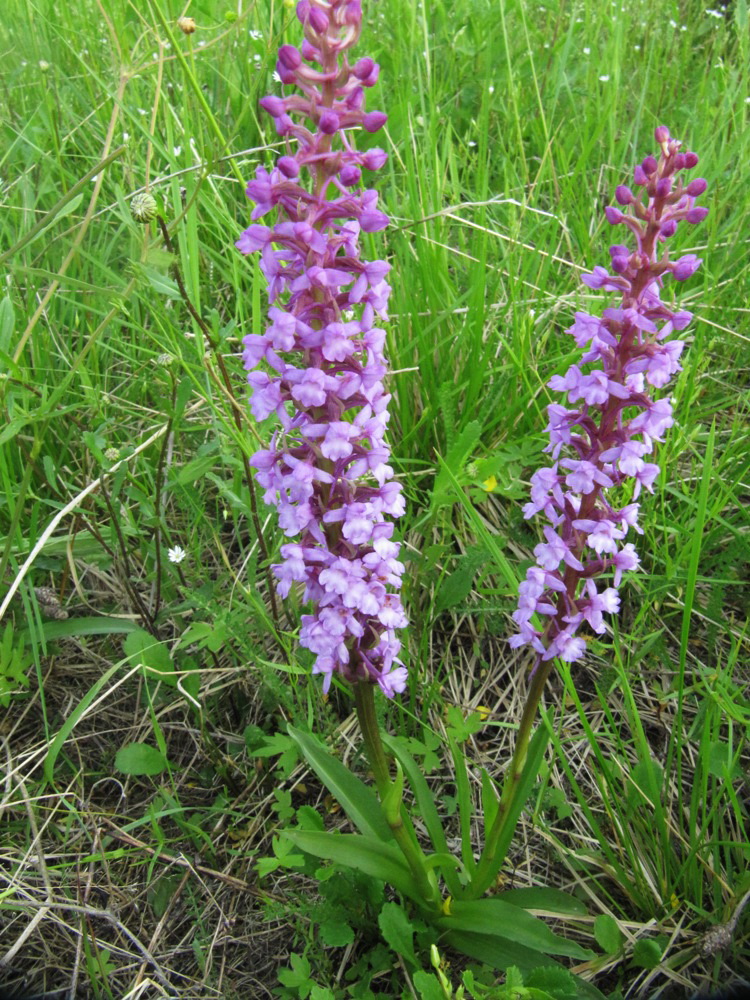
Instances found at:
x=604 y=77
x=176 y=554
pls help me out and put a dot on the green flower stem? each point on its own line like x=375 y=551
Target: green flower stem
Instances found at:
x=489 y=863
x=364 y=698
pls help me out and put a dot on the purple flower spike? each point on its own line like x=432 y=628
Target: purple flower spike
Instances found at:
x=588 y=498
x=319 y=366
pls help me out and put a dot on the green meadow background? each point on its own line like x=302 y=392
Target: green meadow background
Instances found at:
x=125 y=434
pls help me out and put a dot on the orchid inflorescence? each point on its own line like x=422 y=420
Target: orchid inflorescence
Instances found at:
x=617 y=422
x=326 y=469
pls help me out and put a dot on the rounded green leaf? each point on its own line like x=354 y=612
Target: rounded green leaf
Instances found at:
x=140 y=759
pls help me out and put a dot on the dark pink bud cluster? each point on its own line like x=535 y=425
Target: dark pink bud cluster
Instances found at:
x=599 y=447
x=320 y=364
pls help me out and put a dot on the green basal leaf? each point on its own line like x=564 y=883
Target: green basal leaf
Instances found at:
x=490 y=802
x=365 y=854
x=425 y=799
x=496 y=951
x=465 y=808
x=551 y=900
x=359 y=803
x=496 y=918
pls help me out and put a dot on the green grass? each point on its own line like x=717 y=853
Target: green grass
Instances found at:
x=510 y=124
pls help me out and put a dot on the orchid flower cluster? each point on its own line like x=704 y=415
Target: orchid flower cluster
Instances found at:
x=321 y=357
x=612 y=430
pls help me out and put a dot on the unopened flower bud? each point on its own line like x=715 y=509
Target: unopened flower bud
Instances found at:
x=318 y=20
x=350 y=175
x=679 y=161
x=363 y=68
x=649 y=165
x=668 y=228
x=624 y=195
x=186 y=25
x=143 y=207
x=288 y=166
x=328 y=122
x=691 y=160
x=373 y=121
x=697 y=187
x=614 y=215
x=290 y=57
x=661 y=134
x=275 y=106
x=696 y=214
x=639 y=176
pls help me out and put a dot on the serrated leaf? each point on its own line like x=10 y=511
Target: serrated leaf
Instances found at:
x=454 y=462
x=427 y=986
x=556 y=983
x=140 y=759
x=398 y=931
x=336 y=933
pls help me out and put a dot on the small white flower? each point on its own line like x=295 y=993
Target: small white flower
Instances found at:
x=275 y=77
x=672 y=24
x=255 y=35
x=604 y=77
x=715 y=13
x=637 y=48
x=491 y=88
x=471 y=143
x=176 y=554
x=587 y=51
x=177 y=150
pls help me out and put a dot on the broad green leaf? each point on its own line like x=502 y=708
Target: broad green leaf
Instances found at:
x=140 y=758
x=359 y=802
x=425 y=799
x=495 y=951
x=365 y=854
x=142 y=648
x=551 y=900
x=607 y=933
x=495 y=917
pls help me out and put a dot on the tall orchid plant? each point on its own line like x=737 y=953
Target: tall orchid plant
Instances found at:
x=320 y=367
